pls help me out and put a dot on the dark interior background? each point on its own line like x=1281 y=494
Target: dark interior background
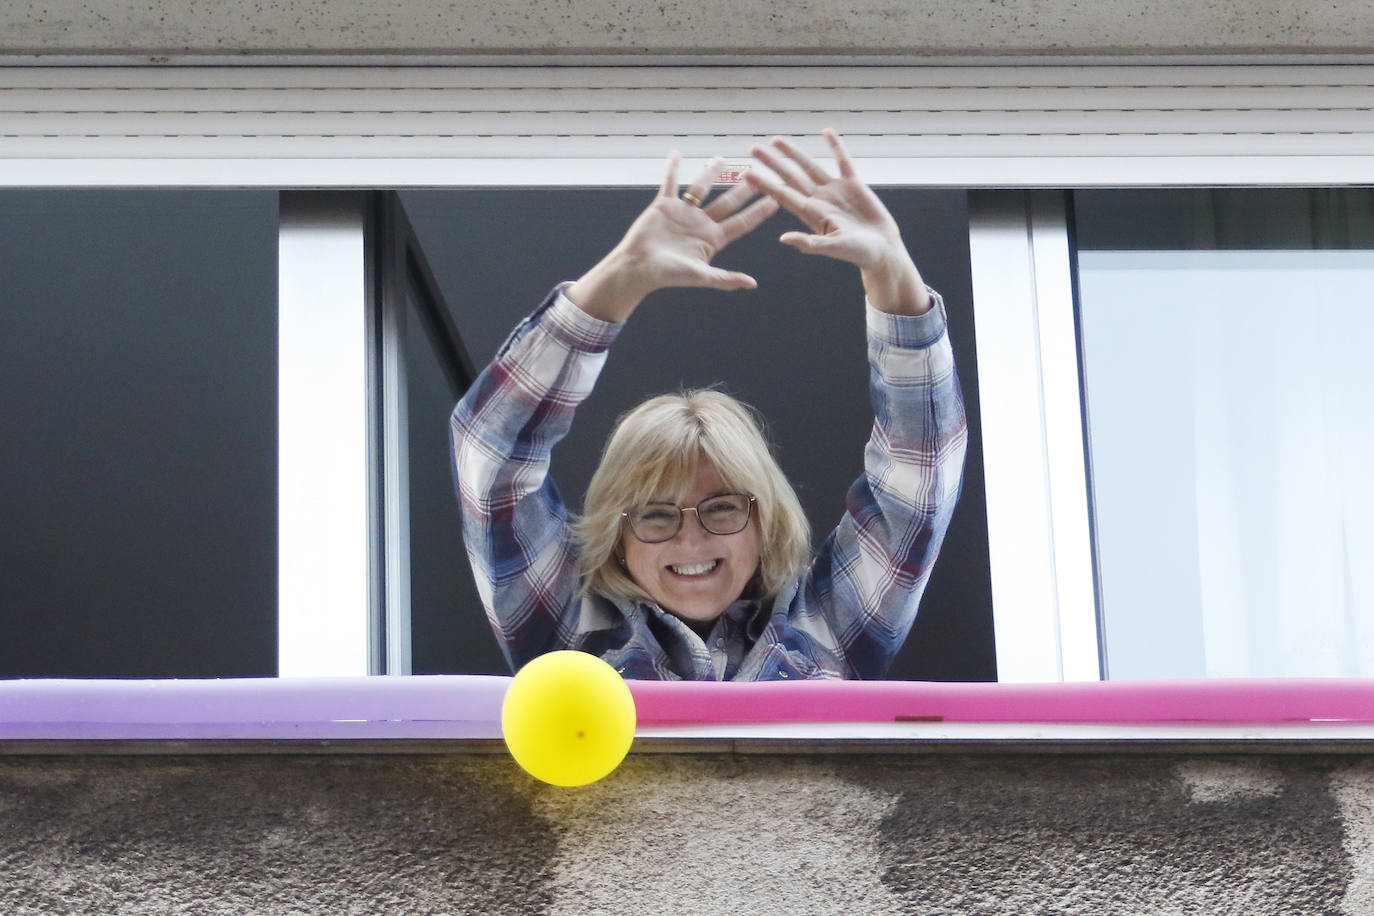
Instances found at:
x=1193 y=219
x=138 y=458
x=794 y=348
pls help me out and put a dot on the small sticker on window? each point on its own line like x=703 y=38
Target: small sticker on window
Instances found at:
x=732 y=172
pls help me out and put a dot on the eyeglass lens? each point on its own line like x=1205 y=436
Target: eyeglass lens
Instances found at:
x=724 y=514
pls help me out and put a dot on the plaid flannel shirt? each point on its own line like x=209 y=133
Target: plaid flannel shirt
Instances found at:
x=844 y=617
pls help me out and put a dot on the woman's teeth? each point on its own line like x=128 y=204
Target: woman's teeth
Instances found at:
x=695 y=569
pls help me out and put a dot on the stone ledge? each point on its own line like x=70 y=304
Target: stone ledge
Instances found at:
x=922 y=28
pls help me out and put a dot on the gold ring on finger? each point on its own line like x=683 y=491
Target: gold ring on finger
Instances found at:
x=691 y=198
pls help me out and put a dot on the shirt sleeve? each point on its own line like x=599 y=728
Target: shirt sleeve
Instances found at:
x=860 y=596
x=515 y=524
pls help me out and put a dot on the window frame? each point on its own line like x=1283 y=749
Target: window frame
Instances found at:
x=1001 y=132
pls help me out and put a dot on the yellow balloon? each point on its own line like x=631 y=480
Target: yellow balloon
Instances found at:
x=568 y=718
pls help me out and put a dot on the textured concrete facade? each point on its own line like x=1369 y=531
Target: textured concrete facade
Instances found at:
x=859 y=27
x=901 y=834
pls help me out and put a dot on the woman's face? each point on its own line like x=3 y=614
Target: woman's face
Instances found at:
x=695 y=575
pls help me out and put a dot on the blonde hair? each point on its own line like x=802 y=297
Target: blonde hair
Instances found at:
x=654 y=451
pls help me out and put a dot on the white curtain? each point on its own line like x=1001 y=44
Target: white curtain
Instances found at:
x=1232 y=438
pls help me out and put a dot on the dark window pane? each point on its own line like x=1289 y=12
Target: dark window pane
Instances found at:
x=138 y=373
x=1237 y=219
x=446 y=634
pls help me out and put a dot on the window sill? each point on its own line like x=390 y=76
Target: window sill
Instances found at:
x=461 y=714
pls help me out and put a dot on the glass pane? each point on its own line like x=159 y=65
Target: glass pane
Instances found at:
x=138 y=373
x=1229 y=435
x=444 y=636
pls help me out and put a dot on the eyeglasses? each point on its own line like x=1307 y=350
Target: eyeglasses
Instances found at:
x=725 y=513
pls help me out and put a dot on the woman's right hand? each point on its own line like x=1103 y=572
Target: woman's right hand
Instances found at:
x=671 y=244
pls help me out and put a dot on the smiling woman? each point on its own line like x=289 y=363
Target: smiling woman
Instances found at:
x=719 y=598
x=698 y=452
x=697 y=570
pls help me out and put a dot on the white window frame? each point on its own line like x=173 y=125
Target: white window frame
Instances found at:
x=1019 y=128
x=1040 y=549
x=324 y=550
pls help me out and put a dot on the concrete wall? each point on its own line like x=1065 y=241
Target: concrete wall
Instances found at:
x=862 y=27
x=934 y=834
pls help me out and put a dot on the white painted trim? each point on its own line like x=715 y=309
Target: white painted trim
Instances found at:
x=1044 y=607
x=1065 y=464
x=395 y=470
x=1025 y=620
x=322 y=563
x=647 y=172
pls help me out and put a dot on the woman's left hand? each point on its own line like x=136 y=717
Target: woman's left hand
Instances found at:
x=847 y=221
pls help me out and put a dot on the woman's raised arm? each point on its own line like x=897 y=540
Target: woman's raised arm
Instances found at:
x=860 y=596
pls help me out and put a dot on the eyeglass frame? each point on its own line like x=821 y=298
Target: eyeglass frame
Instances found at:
x=682 y=510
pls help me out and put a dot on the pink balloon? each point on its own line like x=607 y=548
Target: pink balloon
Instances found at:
x=1240 y=700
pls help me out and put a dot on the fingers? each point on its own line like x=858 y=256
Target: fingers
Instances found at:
x=698 y=190
x=690 y=272
x=730 y=201
x=747 y=219
x=784 y=170
x=715 y=278
x=796 y=203
x=669 y=187
x=846 y=165
x=807 y=243
x=808 y=165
